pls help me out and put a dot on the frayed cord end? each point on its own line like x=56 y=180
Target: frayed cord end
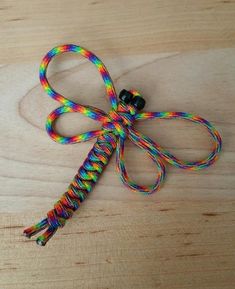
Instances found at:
x=45 y=237
x=33 y=230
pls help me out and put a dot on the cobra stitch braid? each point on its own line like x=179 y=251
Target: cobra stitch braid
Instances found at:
x=79 y=188
x=117 y=125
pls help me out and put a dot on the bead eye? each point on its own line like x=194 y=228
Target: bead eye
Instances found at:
x=126 y=96
x=138 y=102
x=129 y=98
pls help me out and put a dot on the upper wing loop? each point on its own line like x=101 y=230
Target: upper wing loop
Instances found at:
x=170 y=158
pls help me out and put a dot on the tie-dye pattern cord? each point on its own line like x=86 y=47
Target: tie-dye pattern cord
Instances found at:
x=117 y=125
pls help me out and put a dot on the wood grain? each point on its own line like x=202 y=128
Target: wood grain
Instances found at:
x=29 y=28
x=181 y=237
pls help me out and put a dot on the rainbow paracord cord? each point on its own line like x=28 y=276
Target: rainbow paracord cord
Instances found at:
x=117 y=125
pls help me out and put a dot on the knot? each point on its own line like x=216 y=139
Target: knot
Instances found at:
x=118 y=121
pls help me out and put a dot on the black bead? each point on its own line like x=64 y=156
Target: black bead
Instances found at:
x=126 y=96
x=138 y=102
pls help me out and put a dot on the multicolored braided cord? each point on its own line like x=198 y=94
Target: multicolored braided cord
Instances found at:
x=116 y=126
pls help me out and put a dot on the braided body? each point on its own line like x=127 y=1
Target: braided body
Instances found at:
x=78 y=190
x=117 y=125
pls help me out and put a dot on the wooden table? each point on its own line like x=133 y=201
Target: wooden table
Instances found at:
x=181 y=56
